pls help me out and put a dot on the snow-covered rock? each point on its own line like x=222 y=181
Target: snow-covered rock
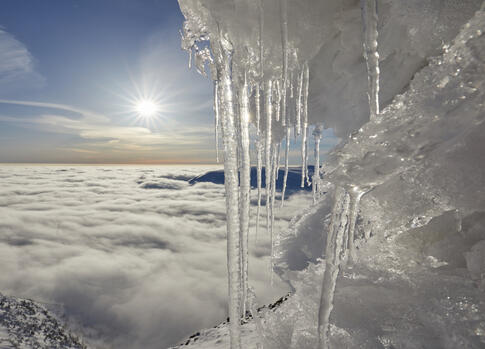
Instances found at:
x=26 y=324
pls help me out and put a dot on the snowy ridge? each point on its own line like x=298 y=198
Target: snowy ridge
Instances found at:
x=26 y=324
x=412 y=181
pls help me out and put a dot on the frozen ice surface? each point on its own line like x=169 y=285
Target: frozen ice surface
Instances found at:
x=416 y=278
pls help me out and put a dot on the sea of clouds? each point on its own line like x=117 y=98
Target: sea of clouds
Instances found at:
x=135 y=255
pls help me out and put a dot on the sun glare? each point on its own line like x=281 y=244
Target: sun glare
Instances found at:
x=146 y=108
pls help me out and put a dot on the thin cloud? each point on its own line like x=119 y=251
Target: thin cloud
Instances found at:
x=102 y=137
x=16 y=63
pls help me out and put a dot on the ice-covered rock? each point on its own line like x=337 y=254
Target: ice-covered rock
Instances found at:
x=416 y=277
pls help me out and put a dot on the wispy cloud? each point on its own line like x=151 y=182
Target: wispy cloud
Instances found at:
x=101 y=135
x=16 y=63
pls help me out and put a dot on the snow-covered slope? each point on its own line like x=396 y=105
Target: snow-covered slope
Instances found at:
x=417 y=276
x=27 y=325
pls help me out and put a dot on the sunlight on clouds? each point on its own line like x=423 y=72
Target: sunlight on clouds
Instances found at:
x=103 y=138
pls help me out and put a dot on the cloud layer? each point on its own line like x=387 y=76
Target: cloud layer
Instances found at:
x=135 y=254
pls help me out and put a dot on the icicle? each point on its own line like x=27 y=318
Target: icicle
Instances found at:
x=291 y=85
x=284 y=49
x=298 y=103
x=261 y=46
x=278 y=100
x=305 y=118
x=259 y=149
x=287 y=154
x=267 y=170
x=257 y=102
x=355 y=196
x=259 y=146
x=274 y=166
x=333 y=257
x=245 y=188
x=371 y=54
x=303 y=155
x=317 y=135
x=223 y=54
x=190 y=58
x=278 y=161
x=216 y=113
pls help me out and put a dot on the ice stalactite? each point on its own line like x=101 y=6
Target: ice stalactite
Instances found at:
x=259 y=154
x=303 y=155
x=268 y=165
x=274 y=156
x=278 y=158
x=269 y=142
x=223 y=52
x=298 y=104
x=190 y=58
x=260 y=38
x=277 y=94
x=244 y=187
x=355 y=196
x=216 y=113
x=284 y=49
x=317 y=136
x=305 y=117
x=371 y=54
x=334 y=251
x=287 y=155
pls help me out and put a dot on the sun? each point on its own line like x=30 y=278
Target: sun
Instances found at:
x=146 y=108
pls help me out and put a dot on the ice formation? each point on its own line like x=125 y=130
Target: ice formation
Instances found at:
x=288 y=64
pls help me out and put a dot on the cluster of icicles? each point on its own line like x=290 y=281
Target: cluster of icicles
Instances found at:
x=278 y=102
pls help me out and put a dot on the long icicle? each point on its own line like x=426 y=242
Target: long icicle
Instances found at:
x=317 y=135
x=303 y=154
x=278 y=158
x=333 y=257
x=261 y=46
x=259 y=151
x=287 y=154
x=216 y=113
x=369 y=22
x=274 y=167
x=298 y=104
x=307 y=140
x=284 y=49
x=277 y=94
x=223 y=54
x=267 y=169
x=305 y=117
x=245 y=189
x=258 y=111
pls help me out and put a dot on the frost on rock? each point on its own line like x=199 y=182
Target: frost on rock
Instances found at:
x=283 y=65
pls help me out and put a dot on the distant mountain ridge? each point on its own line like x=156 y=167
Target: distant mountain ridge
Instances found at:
x=293 y=183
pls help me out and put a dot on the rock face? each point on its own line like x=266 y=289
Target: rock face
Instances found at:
x=26 y=324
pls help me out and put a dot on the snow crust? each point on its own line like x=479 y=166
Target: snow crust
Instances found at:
x=412 y=181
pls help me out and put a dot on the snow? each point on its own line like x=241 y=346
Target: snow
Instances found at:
x=26 y=324
x=394 y=273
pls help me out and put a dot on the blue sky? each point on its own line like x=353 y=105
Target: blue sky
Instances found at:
x=71 y=72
